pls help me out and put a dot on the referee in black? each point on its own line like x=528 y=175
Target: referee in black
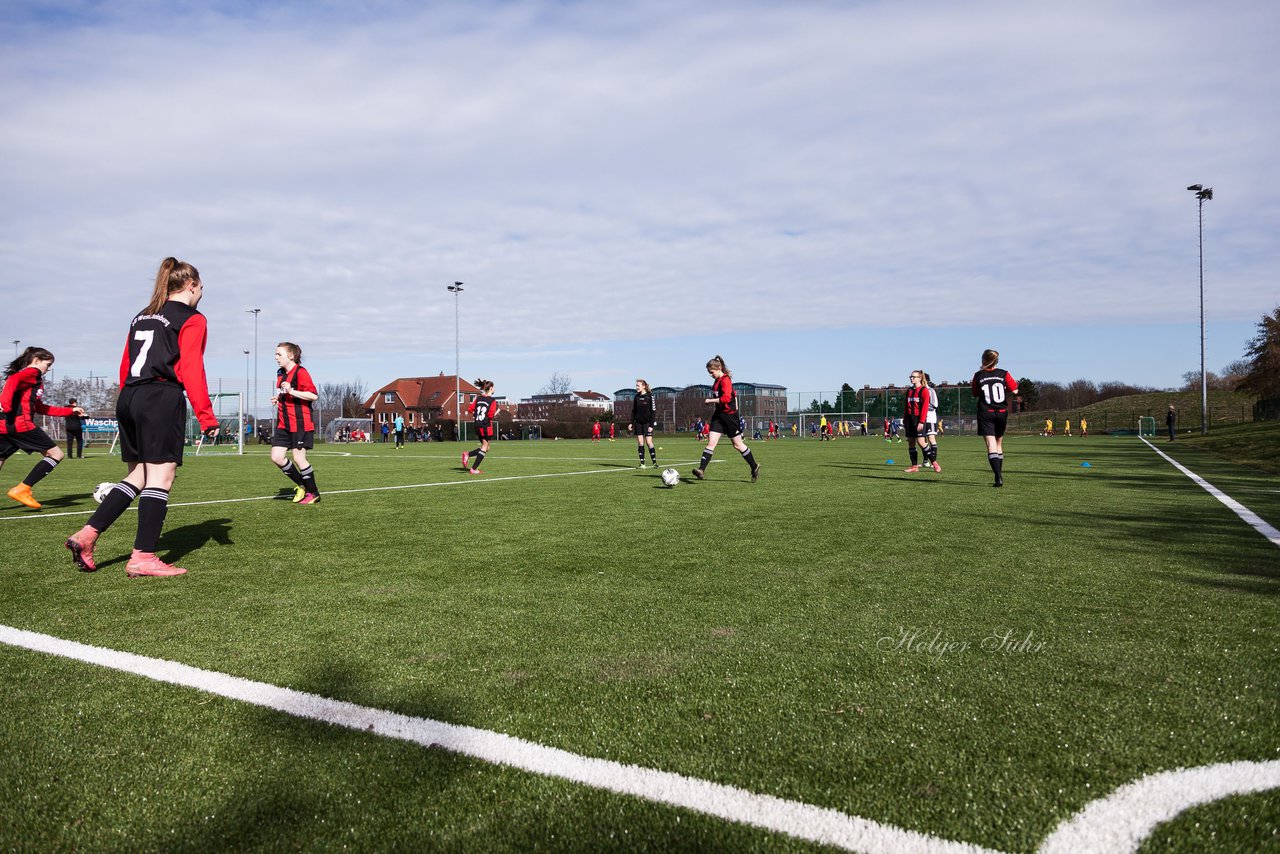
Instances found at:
x=75 y=433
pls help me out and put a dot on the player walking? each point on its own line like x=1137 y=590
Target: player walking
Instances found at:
x=916 y=419
x=642 y=417
x=294 y=398
x=993 y=388
x=724 y=421
x=163 y=356
x=20 y=401
x=484 y=411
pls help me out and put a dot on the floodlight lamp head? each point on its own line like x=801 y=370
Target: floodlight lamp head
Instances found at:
x=1195 y=188
x=1205 y=195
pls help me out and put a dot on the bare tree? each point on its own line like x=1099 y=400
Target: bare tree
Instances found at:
x=558 y=384
x=343 y=399
x=97 y=396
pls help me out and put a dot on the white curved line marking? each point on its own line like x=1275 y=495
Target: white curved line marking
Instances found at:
x=1125 y=818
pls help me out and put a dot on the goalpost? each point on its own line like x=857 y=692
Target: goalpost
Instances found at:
x=1147 y=425
x=228 y=408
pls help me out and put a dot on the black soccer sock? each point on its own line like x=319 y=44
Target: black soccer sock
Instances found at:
x=653 y=454
x=706 y=460
x=640 y=451
x=308 y=476
x=479 y=455
x=749 y=457
x=476 y=453
x=994 y=460
x=153 y=506
x=915 y=459
x=116 y=502
x=1000 y=466
x=40 y=469
x=933 y=453
x=291 y=472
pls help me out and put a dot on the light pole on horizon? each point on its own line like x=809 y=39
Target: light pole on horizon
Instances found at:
x=247 y=416
x=456 y=289
x=253 y=409
x=1203 y=194
x=16 y=342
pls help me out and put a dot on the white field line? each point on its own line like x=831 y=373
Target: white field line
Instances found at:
x=1125 y=818
x=471 y=481
x=803 y=821
x=1255 y=521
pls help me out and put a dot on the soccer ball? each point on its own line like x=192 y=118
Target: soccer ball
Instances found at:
x=100 y=493
x=670 y=477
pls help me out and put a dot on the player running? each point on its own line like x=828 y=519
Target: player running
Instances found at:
x=993 y=388
x=642 y=417
x=21 y=400
x=163 y=356
x=916 y=419
x=724 y=421
x=295 y=428
x=484 y=411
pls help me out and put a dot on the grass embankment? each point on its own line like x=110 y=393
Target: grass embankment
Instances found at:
x=1122 y=413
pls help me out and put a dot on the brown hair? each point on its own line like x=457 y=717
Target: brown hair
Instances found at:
x=171 y=278
x=485 y=386
x=989 y=359
x=717 y=361
x=29 y=355
x=294 y=351
x=644 y=383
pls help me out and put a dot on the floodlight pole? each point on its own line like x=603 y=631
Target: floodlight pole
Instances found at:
x=253 y=410
x=456 y=290
x=1203 y=194
x=16 y=342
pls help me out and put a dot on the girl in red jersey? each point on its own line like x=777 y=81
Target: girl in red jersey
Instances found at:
x=484 y=410
x=163 y=356
x=724 y=421
x=295 y=429
x=20 y=401
x=993 y=388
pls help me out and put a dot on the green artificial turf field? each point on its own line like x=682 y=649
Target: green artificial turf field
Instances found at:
x=922 y=651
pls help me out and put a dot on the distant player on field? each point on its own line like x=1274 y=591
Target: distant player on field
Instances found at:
x=929 y=438
x=1084 y=428
x=993 y=388
x=1066 y=427
x=484 y=412
x=915 y=420
x=724 y=421
x=294 y=397
x=642 y=417
x=20 y=401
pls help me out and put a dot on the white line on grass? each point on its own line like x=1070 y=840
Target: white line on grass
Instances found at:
x=612 y=470
x=804 y=821
x=1125 y=818
x=1255 y=521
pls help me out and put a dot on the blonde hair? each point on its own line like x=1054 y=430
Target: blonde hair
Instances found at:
x=989 y=359
x=716 y=362
x=643 y=383
x=171 y=278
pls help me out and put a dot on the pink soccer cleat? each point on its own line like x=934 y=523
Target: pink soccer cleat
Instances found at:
x=81 y=545
x=146 y=563
x=912 y=469
x=474 y=471
x=310 y=498
x=936 y=467
x=466 y=461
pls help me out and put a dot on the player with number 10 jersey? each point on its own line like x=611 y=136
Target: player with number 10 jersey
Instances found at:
x=993 y=388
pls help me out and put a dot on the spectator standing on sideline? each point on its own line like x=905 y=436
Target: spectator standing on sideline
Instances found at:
x=1171 y=421
x=75 y=432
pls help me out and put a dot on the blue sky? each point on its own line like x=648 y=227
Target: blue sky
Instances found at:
x=821 y=192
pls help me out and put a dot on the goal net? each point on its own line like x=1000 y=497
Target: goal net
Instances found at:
x=1147 y=425
x=228 y=408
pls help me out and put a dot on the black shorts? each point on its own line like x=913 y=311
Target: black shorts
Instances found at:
x=725 y=425
x=992 y=423
x=152 y=417
x=486 y=432
x=911 y=427
x=303 y=441
x=31 y=441
x=642 y=428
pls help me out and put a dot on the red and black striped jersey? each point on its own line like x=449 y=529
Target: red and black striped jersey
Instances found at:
x=168 y=346
x=726 y=401
x=22 y=398
x=918 y=403
x=993 y=389
x=293 y=414
x=483 y=410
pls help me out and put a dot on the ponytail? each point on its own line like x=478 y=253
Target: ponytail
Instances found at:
x=173 y=274
x=29 y=355
x=485 y=386
x=989 y=359
x=294 y=351
x=717 y=362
